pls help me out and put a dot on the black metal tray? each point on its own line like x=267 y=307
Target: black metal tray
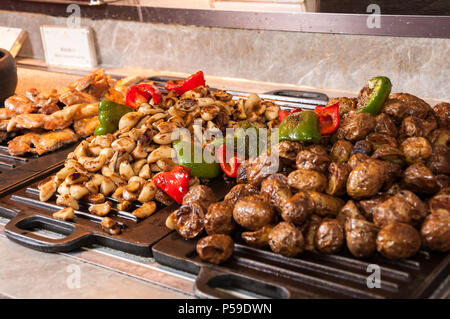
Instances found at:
x=311 y=275
x=27 y=214
x=17 y=170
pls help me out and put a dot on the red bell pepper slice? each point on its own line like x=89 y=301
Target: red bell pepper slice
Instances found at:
x=182 y=86
x=231 y=166
x=142 y=93
x=174 y=183
x=328 y=118
x=282 y=114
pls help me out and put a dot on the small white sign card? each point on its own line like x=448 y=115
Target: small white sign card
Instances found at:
x=69 y=46
x=12 y=39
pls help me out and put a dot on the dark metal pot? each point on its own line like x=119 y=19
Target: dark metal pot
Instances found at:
x=8 y=75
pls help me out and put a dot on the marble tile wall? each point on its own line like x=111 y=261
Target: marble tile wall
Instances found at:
x=416 y=65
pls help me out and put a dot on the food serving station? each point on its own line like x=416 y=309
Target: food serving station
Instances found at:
x=88 y=159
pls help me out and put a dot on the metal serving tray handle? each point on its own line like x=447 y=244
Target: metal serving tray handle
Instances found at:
x=18 y=230
x=210 y=279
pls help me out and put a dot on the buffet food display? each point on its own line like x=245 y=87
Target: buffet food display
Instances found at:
x=368 y=174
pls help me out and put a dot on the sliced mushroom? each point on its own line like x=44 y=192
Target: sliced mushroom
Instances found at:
x=93 y=164
x=161 y=152
x=145 y=210
x=76 y=178
x=68 y=201
x=124 y=206
x=100 y=209
x=145 y=172
x=65 y=214
x=46 y=189
x=107 y=186
x=171 y=221
x=110 y=226
x=78 y=191
x=96 y=198
x=123 y=144
x=126 y=170
x=129 y=121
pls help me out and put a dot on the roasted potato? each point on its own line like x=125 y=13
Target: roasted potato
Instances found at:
x=286 y=239
x=439 y=161
x=390 y=154
x=369 y=205
x=261 y=167
x=349 y=211
x=394 y=210
x=200 y=194
x=442 y=113
x=356 y=126
x=341 y=151
x=215 y=249
x=355 y=159
x=313 y=159
x=360 y=236
x=277 y=191
x=398 y=241
x=253 y=212
x=366 y=179
x=385 y=124
x=414 y=126
x=298 y=208
x=287 y=150
x=346 y=104
x=378 y=140
x=219 y=219
x=362 y=147
x=440 y=204
x=416 y=149
x=307 y=180
x=329 y=237
x=337 y=179
x=395 y=108
x=309 y=229
x=326 y=205
x=418 y=178
x=190 y=220
x=258 y=238
x=414 y=105
x=239 y=191
x=435 y=232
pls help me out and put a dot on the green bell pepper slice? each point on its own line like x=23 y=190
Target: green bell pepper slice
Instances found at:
x=109 y=114
x=199 y=169
x=300 y=126
x=379 y=89
x=242 y=132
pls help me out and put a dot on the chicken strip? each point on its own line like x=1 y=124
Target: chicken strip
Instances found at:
x=41 y=143
x=72 y=96
x=6 y=114
x=20 y=105
x=55 y=121
x=28 y=121
x=85 y=111
x=95 y=84
x=86 y=127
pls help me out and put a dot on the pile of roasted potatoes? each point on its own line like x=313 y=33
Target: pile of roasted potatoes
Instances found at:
x=378 y=184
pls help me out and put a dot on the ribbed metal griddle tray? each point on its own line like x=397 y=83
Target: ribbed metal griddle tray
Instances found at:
x=17 y=170
x=311 y=275
x=27 y=214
